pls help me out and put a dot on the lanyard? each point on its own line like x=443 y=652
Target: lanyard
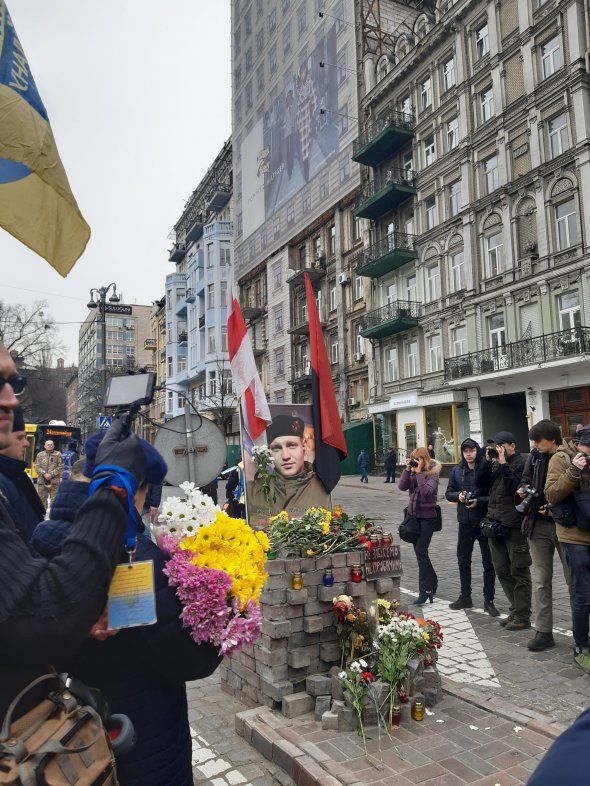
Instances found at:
x=116 y=476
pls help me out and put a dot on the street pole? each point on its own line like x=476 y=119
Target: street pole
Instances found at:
x=98 y=299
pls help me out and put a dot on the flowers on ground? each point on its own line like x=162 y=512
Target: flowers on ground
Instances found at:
x=319 y=531
x=217 y=567
x=356 y=680
x=353 y=626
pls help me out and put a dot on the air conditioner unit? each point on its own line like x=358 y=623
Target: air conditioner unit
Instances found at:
x=358 y=356
x=352 y=402
x=343 y=278
x=307 y=368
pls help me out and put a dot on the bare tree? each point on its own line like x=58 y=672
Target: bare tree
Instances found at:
x=219 y=401
x=30 y=334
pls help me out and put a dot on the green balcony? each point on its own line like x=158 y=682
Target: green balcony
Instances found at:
x=389 y=253
x=390 y=319
x=385 y=193
x=383 y=137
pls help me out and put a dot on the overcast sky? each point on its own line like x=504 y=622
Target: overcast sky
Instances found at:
x=138 y=93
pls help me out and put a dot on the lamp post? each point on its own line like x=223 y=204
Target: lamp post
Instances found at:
x=98 y=299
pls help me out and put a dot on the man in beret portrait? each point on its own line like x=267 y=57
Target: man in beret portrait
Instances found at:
x=294 y=486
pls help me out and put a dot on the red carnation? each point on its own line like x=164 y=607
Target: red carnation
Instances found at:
x=367 y=677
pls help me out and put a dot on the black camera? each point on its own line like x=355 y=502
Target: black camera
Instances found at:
x=128 y=393
x=468 y=496
x=413 y=463
x=492 y=452
x=531 y=500
x=586 y=459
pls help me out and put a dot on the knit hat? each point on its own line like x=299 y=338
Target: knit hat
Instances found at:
x=285 y=426
x=155 y=466
x=502 y=437
x=583 y=436
x=18 y=423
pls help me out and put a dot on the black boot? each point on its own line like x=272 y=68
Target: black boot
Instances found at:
x=490 y=608
x=462 y=602
x=542 y=641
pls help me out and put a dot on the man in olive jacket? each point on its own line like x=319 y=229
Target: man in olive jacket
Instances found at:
x=510 y=555
x=569 y=471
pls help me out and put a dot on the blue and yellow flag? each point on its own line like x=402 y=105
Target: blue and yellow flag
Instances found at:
x=36 y=203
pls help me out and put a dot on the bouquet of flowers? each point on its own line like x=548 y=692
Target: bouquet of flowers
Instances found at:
x=356 y=681
x=319 y=532
x=261 y=456
x=352 y=626
x=216 y=564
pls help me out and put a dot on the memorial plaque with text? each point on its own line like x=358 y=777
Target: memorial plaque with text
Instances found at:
x=383 y=561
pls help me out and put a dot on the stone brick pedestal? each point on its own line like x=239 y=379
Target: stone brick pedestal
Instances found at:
x=298 y=634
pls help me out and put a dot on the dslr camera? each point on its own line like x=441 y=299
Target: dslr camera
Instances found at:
x=492 y=452
x=468 y=496
x=128 y=393
x=413 y=463
x=531 y=500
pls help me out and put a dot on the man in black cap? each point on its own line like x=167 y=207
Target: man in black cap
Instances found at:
x=502 y=472
x=293 y=485
x=472 y=504
x=569 y=471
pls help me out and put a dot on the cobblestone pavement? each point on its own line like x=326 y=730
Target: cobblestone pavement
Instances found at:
x=545 y=682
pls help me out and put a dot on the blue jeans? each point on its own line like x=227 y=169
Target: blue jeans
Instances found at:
x=364 y=475
x=578 y=559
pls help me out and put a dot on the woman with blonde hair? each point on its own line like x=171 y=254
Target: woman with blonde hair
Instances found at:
x=420 y=477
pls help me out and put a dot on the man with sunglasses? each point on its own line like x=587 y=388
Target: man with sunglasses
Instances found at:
x=48 y=607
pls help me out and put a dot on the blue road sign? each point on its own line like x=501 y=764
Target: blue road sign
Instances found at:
x=104 y=422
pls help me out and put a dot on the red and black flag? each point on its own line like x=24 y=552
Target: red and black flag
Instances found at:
x=330 y=446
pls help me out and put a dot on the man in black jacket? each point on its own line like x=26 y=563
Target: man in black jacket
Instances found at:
x=510 y=554
x=47 y=607
x=472 y=504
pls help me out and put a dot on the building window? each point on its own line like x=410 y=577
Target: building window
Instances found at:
x=260 y=40
x=430 y=212
x=260 y=78
x=569 y=311
x=210 y=295
x=457 y=272
x=287 y=38
x=332 y=298
x=449 y=74
x=486 y=102
x=459 y=340
x=497 y=331
x=404 y=105
x=429 y=150
x=280 y=362
x=224 y=254
x=434 y=352
x=490 y=171
x=550 y=57
x=391 y=364
x=426 y=93
x=494 y=256
x=277 y=275
x=211 y=339
x=278 y=318
x=358 y=286
x=325 y=186
x=455 y=198
x=210 y=255
x=341 y=66
x=224 y=338
x=272 y=21
x=248 y=59
x=272 y=59
x=558 y=135
x=344 y=170
x=452 y=133
x=432 y=282
x=482 y=41
x=332 y=240
x=222 y=293
x=276 y=225
x=411 y=287
x=334 y=346
x=290 y=215
x=565 y=224
x=412 y=358
x=306 y=201
x=356 y=228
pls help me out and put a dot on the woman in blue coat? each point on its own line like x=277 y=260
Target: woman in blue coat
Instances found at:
x=140 y=671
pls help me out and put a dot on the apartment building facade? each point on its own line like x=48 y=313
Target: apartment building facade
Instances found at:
x=475 y=154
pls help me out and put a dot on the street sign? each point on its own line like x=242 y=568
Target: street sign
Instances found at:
x=104 y=422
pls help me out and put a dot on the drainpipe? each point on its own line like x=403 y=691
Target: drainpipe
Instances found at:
x=587 y=25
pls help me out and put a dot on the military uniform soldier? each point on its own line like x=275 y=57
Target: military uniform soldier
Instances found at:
x=49 y=466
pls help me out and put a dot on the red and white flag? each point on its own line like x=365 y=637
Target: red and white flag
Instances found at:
x=246 y=381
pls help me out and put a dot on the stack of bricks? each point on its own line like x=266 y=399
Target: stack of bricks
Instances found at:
x=298 y=634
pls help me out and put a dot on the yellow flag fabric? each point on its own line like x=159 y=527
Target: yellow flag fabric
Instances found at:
x=36 y=203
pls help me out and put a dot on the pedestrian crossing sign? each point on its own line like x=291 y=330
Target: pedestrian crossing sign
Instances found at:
x=104 y=422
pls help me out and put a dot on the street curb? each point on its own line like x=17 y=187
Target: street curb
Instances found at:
x=521 y=716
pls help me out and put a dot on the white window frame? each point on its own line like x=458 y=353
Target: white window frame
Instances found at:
x=569 y=316
x=391 y=364
x=430 y=214
x=482 y=41
x=486 y=102
x=455 y=198
x=452 y=133
x=280 y=361
x=358 y=286
x=334 y=348
x=412 y=358
x=433 y=282
x=435 y=352
x=551 y=60
x=491 y=174
x=558 y=135
x=411 y=286
x=566 y=225
x=333 y=298
x=457 y=271
x=449 y=74
x=459 y=340
x=494 y=255
x=426 y=93
x=429 y=150
x=497 y=335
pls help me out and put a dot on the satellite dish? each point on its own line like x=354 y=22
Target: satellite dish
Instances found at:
x=198 y=456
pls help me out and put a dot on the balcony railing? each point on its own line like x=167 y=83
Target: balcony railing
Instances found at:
x=300 y=373
x=150 y=343
x=177 y=252
x=190 y=295
x=393 y=318
x=385 y=192
x=518 y=354
x=386 y=255
x=182 y=337
x=382 y=137
x=253 y=308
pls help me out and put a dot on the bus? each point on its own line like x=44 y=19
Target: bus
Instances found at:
x=39 y=433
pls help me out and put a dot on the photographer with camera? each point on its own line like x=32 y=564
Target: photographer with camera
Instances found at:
x=502 y=473
x=568 y=479
x=472 y=504
x=47 y=607
x=539 y=527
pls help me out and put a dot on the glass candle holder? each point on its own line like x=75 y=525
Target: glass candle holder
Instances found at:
x=396 y=714
x=356 y=574
x=418 y=710
x=271 y=555
x=297 y=581
x=375 y=540
x=328 y=579
x=387 y=539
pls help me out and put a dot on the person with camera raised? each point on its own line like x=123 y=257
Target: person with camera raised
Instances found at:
x=509 y=549
x=568 y=478
x=472 y=504
x=539 y=526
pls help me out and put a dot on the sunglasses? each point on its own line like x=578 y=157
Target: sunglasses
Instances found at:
x=16 y=382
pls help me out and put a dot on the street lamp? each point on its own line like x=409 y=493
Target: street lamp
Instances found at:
x=98 y=299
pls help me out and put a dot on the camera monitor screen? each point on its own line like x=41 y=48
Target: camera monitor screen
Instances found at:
x=130 y=389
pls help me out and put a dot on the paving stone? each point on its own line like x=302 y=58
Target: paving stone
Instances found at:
x=318 y=685
x=322 y=704
x=297 y=704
